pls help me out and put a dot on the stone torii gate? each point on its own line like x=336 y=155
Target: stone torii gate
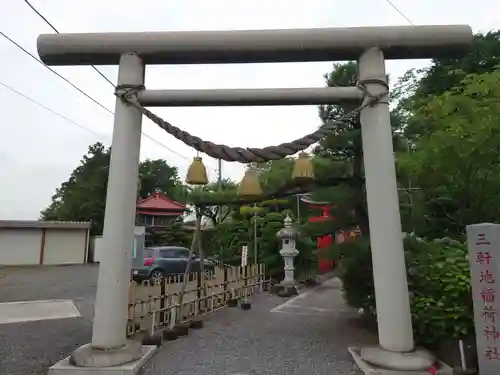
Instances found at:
x=370 y=46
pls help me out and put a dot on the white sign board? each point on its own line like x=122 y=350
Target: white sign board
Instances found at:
x=483 y=241
x=139 y=231
x=244 y=255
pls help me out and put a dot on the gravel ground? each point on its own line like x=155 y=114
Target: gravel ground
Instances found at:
x=297 y=340
x=255 y=342
x=30 y=348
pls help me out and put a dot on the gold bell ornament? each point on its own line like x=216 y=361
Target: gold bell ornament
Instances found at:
x=250 y=185
x=197 y=173
x=303 y=167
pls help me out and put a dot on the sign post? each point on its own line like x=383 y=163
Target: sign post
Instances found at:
x=483 y=241
x=244 y=257
x=138 y=247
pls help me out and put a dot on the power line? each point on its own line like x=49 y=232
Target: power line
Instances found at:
x=51 y=25
x=83 y=92
x=49 y=109
x=57 y=31
x=399 y=11
x=54 y=72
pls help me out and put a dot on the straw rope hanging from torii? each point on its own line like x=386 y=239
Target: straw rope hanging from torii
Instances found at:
x=129 y=94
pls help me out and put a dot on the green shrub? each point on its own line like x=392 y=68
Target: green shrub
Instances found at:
x=355 y=270
x=225 y=241
x=438 y=280
x=441 y=303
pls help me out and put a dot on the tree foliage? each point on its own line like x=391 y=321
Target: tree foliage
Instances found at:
x=457 y=166
x=157 y=175
x=225 y=190
x=417 y=87
x=343 y=147
x=83 y=196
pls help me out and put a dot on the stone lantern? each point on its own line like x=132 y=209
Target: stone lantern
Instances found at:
x=288 y=235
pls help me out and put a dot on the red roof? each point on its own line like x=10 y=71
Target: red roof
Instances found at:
x=158 y=212
x=158 y=201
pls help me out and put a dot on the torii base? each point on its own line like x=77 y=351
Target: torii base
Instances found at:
x=370 y=369
x=64 y=367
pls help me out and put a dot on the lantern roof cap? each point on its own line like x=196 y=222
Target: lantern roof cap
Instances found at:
x=287 y=232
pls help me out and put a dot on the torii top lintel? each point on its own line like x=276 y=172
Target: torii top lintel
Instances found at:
x=254 y=46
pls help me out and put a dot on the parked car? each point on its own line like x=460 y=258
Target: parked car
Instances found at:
x=165 y=261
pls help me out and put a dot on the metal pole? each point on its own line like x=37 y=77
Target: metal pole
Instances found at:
x=298 y=207
x=389 y=271
x=219 y=188
x=219 y=173
x=255 y=235
x=410 y=189
x=412 y=214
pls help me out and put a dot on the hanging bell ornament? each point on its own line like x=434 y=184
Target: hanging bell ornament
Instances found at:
x=250 y=185
x=303 y=168
x=197 y=173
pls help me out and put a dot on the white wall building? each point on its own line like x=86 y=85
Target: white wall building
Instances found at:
x=43 y=242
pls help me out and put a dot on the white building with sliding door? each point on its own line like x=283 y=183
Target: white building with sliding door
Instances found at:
x=43 y=242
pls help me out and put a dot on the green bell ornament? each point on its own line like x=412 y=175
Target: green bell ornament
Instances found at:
x=250 y=185
x=197 y=173
x=303 y=168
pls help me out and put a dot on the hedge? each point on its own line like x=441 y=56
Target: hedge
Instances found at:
x=438 y=281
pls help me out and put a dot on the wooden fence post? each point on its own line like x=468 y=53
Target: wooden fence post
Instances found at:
x=162 y=301
x=225 y=286
x=245 y=305
x=199 y=275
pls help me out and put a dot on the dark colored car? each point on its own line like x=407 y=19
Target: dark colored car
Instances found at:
x=165 y=261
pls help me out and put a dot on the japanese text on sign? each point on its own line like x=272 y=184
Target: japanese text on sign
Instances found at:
x=484 y=250
x=244 y=255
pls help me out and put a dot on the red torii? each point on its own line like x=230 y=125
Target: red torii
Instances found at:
x=325 y=264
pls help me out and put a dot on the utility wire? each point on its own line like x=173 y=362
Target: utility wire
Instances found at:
x=83 y=92
x=49 y=109
x=54 y=72
x=57 y=31
x=98 y=72
x=397 y=10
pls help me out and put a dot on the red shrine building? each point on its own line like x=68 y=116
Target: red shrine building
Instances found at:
x=157 y=211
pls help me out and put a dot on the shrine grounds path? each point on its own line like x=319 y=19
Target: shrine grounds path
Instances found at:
x=308 y=335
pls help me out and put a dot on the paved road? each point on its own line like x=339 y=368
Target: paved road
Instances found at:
x=29 y=348
x=308 y=335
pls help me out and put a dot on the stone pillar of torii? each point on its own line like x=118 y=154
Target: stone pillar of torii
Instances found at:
x=370 y=46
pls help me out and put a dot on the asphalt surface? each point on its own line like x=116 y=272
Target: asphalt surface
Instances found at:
x=308 y=335
x=29 y=348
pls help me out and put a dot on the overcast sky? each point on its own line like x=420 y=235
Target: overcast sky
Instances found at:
x=39 y=149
